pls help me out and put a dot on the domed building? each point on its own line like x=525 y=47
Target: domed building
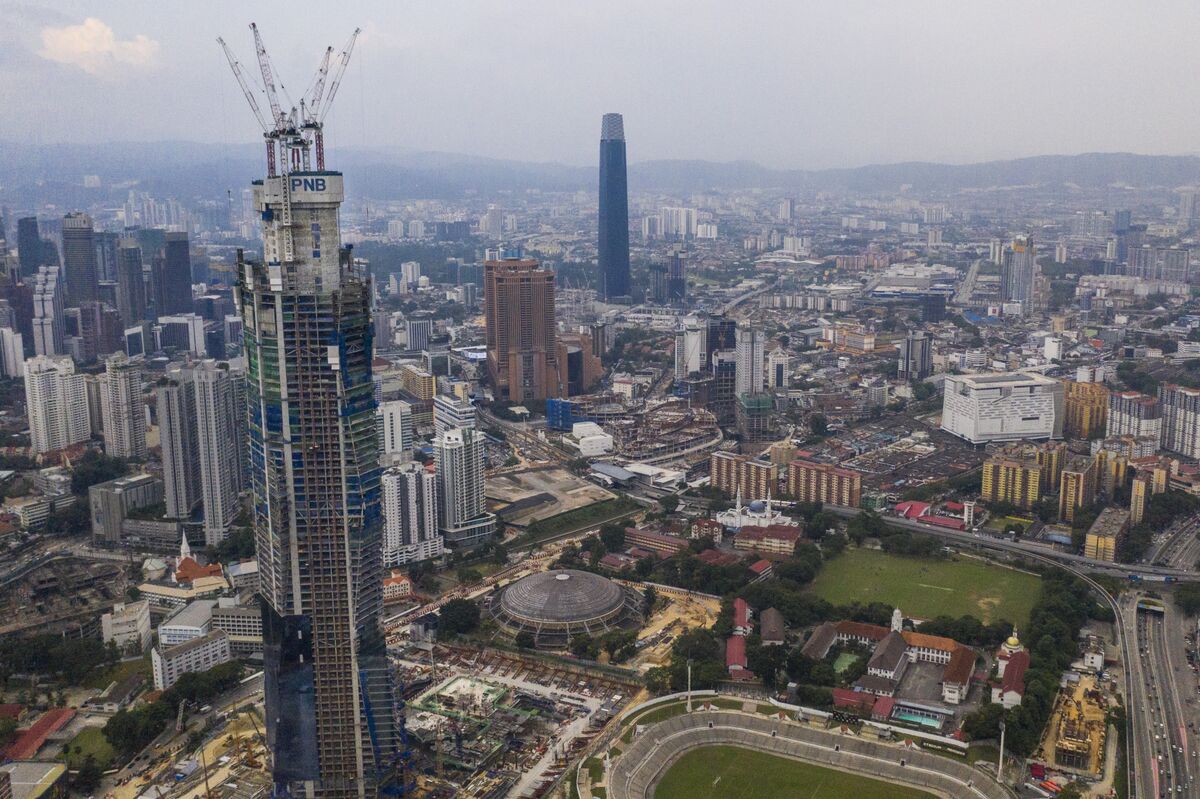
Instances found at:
x=555 y=605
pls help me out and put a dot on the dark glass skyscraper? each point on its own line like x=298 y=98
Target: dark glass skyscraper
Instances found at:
x=29 y=245
x=79 y=258
x=175 y=279
x=613 y=241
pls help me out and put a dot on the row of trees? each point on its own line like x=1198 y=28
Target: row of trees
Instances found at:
x=130 y=730
x=69 y=660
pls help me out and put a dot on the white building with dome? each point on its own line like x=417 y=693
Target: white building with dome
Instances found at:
x=758 y=513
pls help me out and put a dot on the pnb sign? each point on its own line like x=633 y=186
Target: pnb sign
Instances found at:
x=307 y=187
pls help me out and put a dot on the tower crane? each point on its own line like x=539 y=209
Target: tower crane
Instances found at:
x=291 y=133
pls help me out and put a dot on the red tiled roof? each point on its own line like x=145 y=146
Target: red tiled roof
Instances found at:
x=912 y=509
x=844 y=697
x=858 y=629
x=29 y=742
x=883 y=707
x=735 y=651
x=924 y=641
x=187 y=570
x=1014 y=673
x=958 y=670
x=741 y=613
x=944 y=521
x=760 y=566
x=11 y=711
x=777 y=531
x=715 y=557
x=953 y=507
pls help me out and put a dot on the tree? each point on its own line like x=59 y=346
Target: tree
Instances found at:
x=649 y=598
x=818 y=424
x=525 y=640
x=95 y=467
x=766 y=662
x=669 y=503
x=89 y=775
x=458 y=616
x=612 y=535
x=8 y=730
x=1187 y=598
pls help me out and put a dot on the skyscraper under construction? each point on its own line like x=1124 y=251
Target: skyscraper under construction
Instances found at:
x=330 y=700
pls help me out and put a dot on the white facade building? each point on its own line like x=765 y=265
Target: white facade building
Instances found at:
x=127 y=626
x=410 y=504
x=1002 y=407
x=191 y=621
x=749 y=378
x=123 y=409
x=589 y=440
x=394 y=420
x=217 y=442
x=56 y=399
x=463 y=517
x=198 y=654
x=451 y=412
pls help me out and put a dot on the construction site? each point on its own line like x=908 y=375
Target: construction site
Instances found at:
x=489 y=723
x=60 y=594
x=667 y=431
x=1075 y=735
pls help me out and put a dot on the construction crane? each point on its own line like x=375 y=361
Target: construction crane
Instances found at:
x=290 y=133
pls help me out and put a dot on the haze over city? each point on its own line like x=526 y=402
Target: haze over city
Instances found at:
x=796 y=85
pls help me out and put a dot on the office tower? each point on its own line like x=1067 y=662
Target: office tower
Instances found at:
x=107 y=244
x=722 y=335
x=754 y=414
x=57 y=403
x=175 y=397
x=12 y=353
x=522 y=339
x=417 y=333
x=48 y=311
x=676 y=275
x=689 y=348
x=131 y=283
x=778 y=370
x=933 y=308
x=1133 y=414
x=314 y=474
x=463 y=517
x=410 y=509
x=808 y=481
x=1086 y=406
x=1019 y=270
x=1180 y=419
x=613 y=241
x=100 y=329
x=123 y=409
x=723 y=394
x=658 y=281
x=29 y=245
x=451 y=412
x=1002 y=407
x=916 y=357
x=787 y=208
x=79 y=258
x=176 y=275
x=396 y=429
x=749 y=361
x=218 y=445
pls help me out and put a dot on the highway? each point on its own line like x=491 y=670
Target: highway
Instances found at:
x=1178 y=547
x=1044 y=551
x=1163 y=756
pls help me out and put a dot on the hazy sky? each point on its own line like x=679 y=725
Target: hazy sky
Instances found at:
x=799 y=84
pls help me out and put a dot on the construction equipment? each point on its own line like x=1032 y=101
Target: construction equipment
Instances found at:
x=291 y=133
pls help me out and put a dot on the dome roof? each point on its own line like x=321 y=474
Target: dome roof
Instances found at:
x=1012 y=642
x=562 y=596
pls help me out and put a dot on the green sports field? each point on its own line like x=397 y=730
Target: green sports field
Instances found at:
x=727 y=772
x=928 y=588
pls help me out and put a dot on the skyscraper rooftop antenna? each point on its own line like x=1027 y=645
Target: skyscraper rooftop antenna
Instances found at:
x=291 y=133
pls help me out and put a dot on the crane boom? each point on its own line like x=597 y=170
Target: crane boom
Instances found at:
x=241 y=79
x=318 y=89
x=343 y=60
x=268 y=76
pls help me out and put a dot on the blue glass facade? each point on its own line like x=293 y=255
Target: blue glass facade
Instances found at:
x=613 y=241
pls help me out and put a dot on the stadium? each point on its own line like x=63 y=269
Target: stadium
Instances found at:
x=553 y=606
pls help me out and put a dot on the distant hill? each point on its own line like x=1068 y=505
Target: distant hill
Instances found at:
x=53 y=173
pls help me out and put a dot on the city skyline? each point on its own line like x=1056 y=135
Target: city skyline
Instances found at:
x=905 y=59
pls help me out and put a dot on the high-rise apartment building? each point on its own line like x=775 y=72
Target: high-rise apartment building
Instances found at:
x=1077 y=486
x=79 y=258
x=56 y=399
x=122 y=407
x=418 y=333
x=463 y=517
x=1180 y=419
x=778 y=369
x=1002 y=407
x=1013 y=480
x=1133 y=414
x=613 y=239
x=1172 y=264
x=218 y=445
x=822 y=482
x=314 y=473
x=741 y=475
x=410 y=509
x=1086 y=409
x=916 y=357
x=689 y=348
x=522 y=341
x=49 y=312
x=1019 y=270
x=395 y=425
x=749 y=361
x=175 y=397
x=451 y=412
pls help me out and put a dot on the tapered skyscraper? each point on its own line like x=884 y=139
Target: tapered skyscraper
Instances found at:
x=613 y=243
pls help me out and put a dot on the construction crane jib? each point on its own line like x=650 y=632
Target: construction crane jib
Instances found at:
x=293 y=133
